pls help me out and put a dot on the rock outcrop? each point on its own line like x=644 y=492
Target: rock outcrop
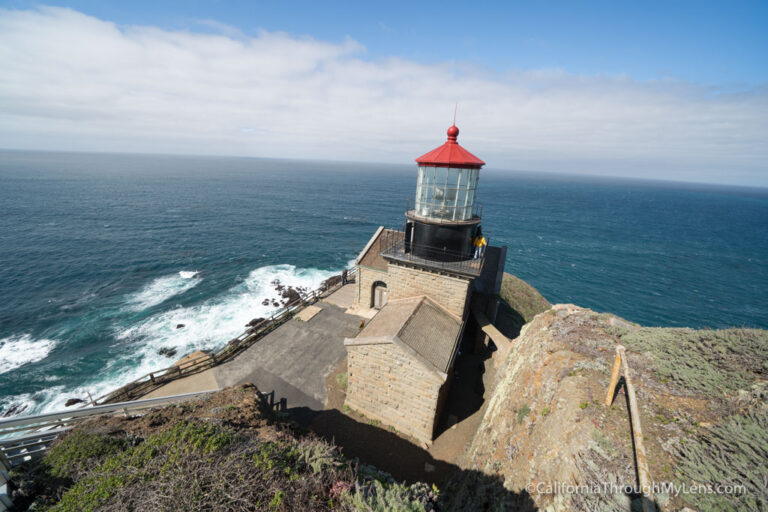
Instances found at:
x=545 y=426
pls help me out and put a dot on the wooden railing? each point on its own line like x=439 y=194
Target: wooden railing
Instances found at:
x=621 y=369
x=153 y=380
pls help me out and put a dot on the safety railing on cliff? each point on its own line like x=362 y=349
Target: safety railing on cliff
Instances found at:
x=621 y=369
x=153 y=380
x=394 y=246
x=25 y=437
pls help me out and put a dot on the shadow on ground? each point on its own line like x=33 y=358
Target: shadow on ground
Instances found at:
x=508 y=321
x=467 y=392
x=408 y=462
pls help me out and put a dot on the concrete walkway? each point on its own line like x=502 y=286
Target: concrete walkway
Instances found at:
x=293 y=360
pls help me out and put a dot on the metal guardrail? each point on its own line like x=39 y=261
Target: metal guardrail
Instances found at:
x=5 y=495
x=393 y=245
x=31 y=436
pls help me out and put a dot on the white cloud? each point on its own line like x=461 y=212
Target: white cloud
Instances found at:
x=70 y=81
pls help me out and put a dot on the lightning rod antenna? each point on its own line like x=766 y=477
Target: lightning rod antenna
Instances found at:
x=455 y=108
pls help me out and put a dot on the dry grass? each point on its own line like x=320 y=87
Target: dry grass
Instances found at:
x=522 y=297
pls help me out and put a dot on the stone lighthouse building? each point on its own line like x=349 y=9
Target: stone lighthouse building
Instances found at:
x=420 y=281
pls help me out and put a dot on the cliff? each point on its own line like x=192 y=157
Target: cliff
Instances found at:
x=702 y=404
x=702 y=398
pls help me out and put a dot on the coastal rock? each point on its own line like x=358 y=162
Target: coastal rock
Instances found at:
x=167 y=352
x=73 y=401
x=330 y=283
x=545 y=422
x=254 y=322
x=179 y=326
x=13 y=410
x=291 y=296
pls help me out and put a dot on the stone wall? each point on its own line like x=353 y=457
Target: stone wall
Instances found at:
x=366 y=276
x=449 y=292
x=389 y=384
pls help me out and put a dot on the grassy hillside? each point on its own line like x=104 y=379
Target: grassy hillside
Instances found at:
x=522 y=297
x=227 y=452
x=520 y=302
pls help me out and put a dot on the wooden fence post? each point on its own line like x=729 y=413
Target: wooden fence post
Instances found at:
x=614 y=376
x=643 y=473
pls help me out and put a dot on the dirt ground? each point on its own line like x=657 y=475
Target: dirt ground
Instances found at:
x=238 y=407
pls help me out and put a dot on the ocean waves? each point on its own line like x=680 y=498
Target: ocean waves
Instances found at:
x=162 y=289
x=206 y=325
x=215 y=321
x=17 y=351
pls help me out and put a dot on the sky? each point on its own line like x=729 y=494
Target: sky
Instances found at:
x=663 y=90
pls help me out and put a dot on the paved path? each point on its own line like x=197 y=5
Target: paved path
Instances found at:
x=293 y=360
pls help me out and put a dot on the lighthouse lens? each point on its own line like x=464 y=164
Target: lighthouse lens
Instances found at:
x=446 y=193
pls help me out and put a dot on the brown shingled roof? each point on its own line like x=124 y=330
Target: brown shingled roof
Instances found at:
x=421 y=324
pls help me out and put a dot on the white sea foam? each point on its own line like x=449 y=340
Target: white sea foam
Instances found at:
x=208 y=325
x=17 y=351
x=162 y=289
x=216 y=321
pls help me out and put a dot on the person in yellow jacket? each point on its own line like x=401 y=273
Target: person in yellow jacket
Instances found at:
x=479 y=242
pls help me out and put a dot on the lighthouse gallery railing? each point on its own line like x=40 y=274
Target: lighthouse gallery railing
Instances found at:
x=392 y=244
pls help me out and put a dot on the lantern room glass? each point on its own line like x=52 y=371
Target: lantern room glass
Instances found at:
x=446 y=193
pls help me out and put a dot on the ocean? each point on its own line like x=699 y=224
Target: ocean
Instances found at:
x=102 y=256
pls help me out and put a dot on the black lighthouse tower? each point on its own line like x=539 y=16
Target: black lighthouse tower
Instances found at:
x=444 y=218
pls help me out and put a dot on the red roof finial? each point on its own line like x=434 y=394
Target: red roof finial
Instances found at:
x=453 y=133
x=451 y=154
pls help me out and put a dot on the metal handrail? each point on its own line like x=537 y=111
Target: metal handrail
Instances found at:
x=30 y=421
x=393 y=244
x=44 y=428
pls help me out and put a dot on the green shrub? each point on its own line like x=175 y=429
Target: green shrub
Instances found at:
x=76 y=452
x=522 y=297
x=732 y=453
x=701 y=361
x=522 y=413
x=124 y=464
x=376 y=496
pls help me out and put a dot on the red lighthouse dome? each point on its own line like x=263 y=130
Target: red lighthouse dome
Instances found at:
x=444 y=218
x=450 y=154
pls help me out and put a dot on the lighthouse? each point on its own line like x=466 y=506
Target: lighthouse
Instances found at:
x=444 y=217
x=423 y=291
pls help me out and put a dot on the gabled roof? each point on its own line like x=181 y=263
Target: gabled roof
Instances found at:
x=450 y=154
x=418 y=323
x=370 y=256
